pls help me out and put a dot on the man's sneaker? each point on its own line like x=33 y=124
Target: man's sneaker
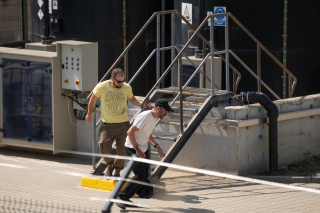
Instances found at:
x=109 y=171
x=117 y=173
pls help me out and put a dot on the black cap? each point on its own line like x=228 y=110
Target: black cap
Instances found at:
x=163 y=103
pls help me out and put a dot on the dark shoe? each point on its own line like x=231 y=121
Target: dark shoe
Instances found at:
x=117 y=173
x=123 y=206
x=109 y=171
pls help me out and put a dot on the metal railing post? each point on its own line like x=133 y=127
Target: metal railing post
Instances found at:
x=259 y=67
x=180 y=97
x=174 y=68
x=117 y=188
x=158 y=47
x=212 y=54
x=94 y=138
x=227 y=53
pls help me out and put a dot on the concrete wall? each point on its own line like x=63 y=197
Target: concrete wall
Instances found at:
x=240 y=144
x=235 y=139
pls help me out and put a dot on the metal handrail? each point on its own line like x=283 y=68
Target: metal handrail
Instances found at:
x=236 y=73
x=260 y=45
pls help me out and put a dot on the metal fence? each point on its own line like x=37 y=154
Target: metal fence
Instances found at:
x=22 y=205
x=14 y=21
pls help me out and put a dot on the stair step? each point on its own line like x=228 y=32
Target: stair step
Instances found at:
x=163 y=136
x=174 y=91
x=175 y=123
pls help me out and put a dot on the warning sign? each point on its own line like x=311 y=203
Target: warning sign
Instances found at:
x=221 y=20
x=186 y=11
x=40 y=14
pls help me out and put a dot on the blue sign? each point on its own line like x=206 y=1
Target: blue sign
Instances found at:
x=221 y=20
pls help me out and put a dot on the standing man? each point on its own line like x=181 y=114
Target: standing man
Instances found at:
x=137 y=140
x=113 y=94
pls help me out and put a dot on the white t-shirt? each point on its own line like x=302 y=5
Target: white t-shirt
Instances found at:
x=145 y=123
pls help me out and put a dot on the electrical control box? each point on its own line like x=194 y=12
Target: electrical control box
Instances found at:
x=79 y=64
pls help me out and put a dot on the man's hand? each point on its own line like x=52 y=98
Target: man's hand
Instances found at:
x=88 y=118
x=140 y=154
x=160 y=151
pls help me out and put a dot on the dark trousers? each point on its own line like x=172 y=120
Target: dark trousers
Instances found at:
x=141 y=173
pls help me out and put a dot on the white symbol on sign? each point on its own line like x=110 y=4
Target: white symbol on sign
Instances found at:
x=186 y=14
x=186 y=11
x=55 y=4
x=40 y=3
x=40 y=14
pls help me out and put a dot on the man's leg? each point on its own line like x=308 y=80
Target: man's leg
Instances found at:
x=120 y=137
x=105 y=145
x=140 y=174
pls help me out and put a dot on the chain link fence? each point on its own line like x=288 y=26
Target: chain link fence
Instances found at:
x=14 y=21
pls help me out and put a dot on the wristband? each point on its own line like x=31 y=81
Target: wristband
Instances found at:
x=155 y=146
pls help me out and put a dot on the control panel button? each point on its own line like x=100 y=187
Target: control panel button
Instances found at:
x=77 y=82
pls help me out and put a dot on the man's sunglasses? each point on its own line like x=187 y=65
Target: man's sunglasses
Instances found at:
x=119 y=82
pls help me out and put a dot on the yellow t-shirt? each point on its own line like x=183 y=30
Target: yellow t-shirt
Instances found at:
x=114 y=105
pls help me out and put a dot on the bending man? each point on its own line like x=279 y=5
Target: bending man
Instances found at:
x=137 y=140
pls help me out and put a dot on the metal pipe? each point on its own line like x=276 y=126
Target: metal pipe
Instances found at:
x=273 y=114
x=46 y=38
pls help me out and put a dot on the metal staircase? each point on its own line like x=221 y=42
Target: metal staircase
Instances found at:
x=197 y=103
x=191 y=105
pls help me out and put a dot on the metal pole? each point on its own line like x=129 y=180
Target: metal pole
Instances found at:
x=163 y=40
x=174 y=68
x=259 y=67
x=46 y=38
x=212 y=54
x=227 y=53
x=117 y=188
x=180 y=97
x=94 y=139
x=158 y=47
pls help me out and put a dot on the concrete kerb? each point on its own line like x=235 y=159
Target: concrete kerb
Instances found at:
x=289 y=179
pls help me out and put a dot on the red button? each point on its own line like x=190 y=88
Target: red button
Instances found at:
x=77 y=82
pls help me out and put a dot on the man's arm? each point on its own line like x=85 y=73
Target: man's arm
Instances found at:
x=156 y=146
x=133 y=141
x=134 y=101
x=92 y=103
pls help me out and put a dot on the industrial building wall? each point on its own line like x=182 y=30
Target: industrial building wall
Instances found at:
x=103 y=22
x=266 y=20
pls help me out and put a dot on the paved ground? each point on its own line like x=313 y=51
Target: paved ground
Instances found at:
x=38 y=182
